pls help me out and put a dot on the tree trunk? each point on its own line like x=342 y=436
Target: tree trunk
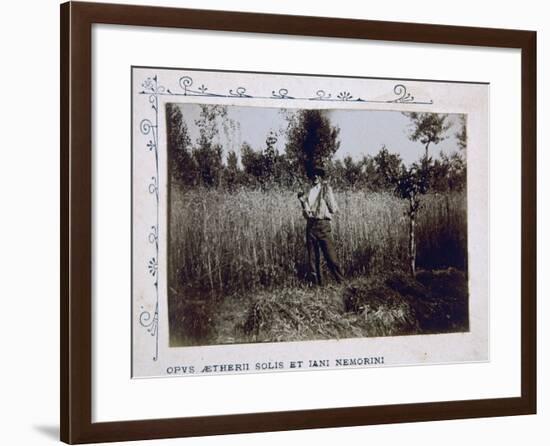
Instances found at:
x=412 y=241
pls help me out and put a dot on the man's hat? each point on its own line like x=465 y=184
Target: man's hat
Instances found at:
x=317 y=169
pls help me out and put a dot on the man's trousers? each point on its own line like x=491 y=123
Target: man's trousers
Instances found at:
x=319 y=239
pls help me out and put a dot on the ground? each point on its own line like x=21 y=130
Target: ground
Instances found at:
x=394 y=305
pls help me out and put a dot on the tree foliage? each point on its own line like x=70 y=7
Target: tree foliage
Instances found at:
x=462 y=134
x=208 y=153
x=233 y=175
x=410 y=183
x=428 y=128
x=311 y=140
x=183 y=166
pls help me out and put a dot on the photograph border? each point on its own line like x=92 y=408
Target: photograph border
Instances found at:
x=149 y=318
x=76 y=221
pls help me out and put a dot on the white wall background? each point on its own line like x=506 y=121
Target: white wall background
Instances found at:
x=29 y=227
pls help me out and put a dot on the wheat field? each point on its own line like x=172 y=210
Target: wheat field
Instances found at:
x=222 y=243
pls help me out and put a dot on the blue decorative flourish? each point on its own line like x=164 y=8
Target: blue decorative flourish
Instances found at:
x=153 y=236
x=403 y=95
x=186 y=85
x=186 y=82
x=281 y=94
x=151 y=322
x=345 y=96
x=153 y=266
x=321 y=95
x=147 y=127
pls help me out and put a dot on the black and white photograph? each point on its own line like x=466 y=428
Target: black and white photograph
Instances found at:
x=309 y=224
x=292 y=221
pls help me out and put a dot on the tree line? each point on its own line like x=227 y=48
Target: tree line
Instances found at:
x=311 y=140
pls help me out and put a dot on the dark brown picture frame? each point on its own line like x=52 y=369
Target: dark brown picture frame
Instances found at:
x=76 y=221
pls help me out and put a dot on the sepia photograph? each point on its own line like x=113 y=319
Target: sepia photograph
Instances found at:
x=294 y=222
x=314 y=224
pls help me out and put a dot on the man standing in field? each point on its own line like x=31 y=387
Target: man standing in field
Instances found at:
x=318 y=208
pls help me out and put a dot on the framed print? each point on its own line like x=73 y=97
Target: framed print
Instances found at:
x=279 y=222
x=240 y=263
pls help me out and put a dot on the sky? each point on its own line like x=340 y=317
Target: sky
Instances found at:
x=362 y=132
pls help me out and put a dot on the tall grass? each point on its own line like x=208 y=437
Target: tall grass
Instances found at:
x=221 y=242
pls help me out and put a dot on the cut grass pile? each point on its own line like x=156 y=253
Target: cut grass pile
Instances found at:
x=299 y=314
x=434 y=302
